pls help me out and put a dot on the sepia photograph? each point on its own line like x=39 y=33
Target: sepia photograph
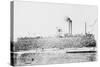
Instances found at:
x=45 y=33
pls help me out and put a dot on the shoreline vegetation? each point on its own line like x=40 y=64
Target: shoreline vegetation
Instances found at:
x=69 y=41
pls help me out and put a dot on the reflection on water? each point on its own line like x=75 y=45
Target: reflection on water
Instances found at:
x=54 y=58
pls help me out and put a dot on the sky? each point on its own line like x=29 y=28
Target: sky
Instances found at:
x=42 y=19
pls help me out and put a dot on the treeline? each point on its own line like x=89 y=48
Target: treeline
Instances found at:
x=72 y=42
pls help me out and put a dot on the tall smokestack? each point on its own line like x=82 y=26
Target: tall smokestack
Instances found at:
x=85 y=28
x=69 y=21
x=70 y=27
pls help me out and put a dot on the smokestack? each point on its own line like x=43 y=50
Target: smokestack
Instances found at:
x=85 y=28
x=70 y=27
x=69 y=21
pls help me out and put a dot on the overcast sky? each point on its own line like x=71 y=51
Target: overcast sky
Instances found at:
x=36 y=18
